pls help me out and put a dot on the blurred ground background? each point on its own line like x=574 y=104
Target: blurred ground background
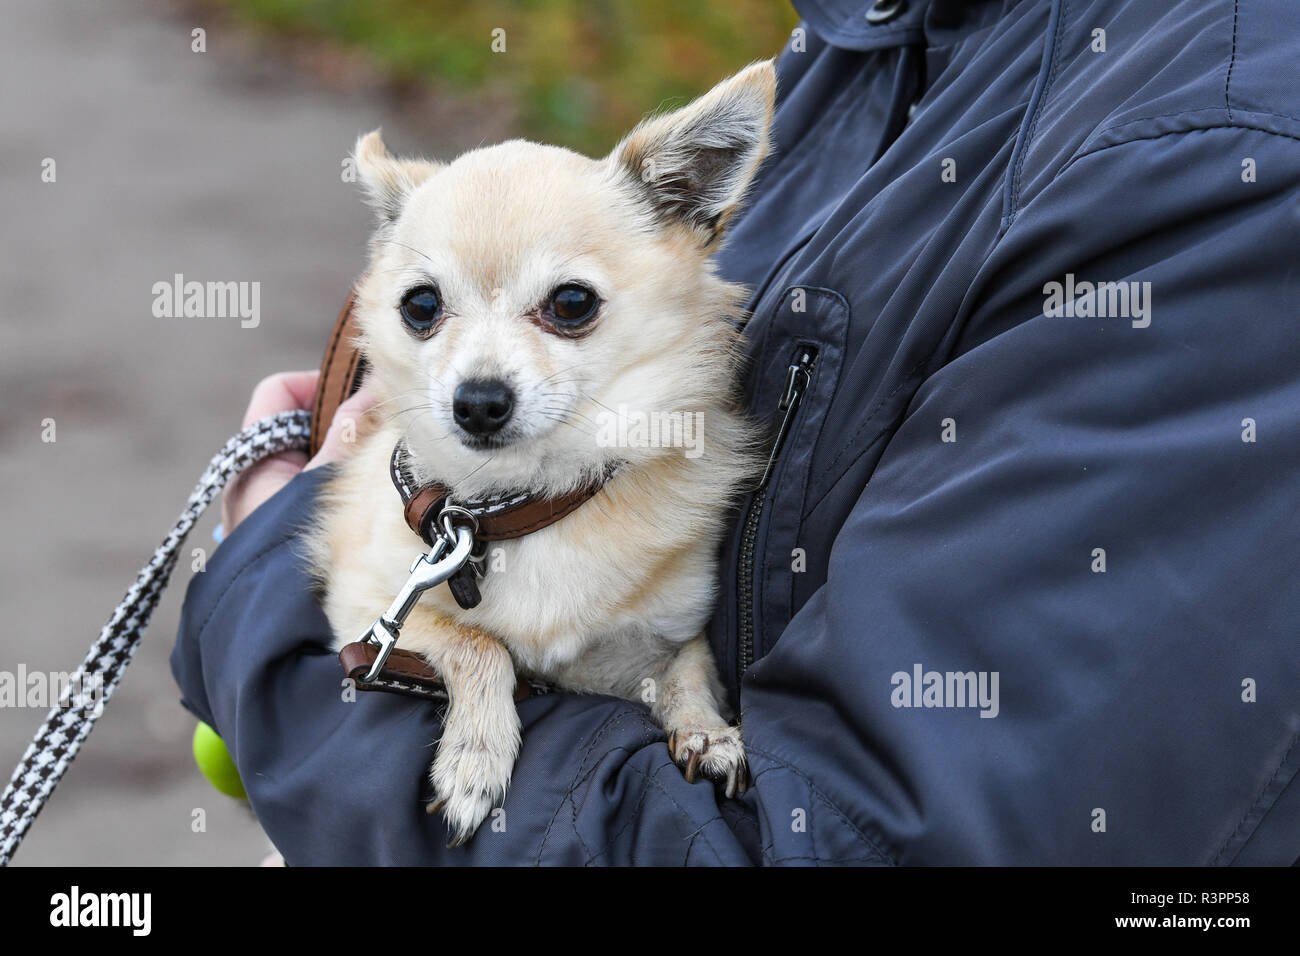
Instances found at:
x=225 y=166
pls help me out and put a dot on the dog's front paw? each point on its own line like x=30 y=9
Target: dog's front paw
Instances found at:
x=716 y=752
x=471 y=773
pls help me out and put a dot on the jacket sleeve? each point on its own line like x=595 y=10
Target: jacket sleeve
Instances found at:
x=337 y=777
x=1097 y=513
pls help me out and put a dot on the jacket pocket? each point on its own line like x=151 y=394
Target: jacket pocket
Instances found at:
x=797 y=378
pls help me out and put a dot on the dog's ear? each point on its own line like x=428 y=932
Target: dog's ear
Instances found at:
x=387 y=179
x=694 y=165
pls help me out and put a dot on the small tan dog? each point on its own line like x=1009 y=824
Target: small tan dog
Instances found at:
x=516 y=299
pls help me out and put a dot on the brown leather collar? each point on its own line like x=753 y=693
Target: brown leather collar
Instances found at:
x=500 y=518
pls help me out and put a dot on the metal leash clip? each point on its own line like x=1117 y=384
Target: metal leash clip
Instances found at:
x=427 y=571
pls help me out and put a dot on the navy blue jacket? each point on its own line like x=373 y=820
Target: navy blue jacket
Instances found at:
x=1047 y=255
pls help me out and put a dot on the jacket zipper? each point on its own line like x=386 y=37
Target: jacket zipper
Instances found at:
x=798 y=376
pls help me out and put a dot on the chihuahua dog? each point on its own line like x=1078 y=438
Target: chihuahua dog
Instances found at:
x=518 y=301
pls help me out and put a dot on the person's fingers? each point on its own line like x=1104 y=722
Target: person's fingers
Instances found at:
x=255 y=486
x=281 y=392
x=345 y=428
x=286 y=391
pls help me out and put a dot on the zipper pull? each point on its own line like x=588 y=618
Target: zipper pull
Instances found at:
x=797 y=379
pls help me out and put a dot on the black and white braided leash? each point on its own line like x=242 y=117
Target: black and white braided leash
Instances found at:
x=70 y=721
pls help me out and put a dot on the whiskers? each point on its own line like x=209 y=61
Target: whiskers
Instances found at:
x=558 y=408
x=561 y=414
x=438 y=433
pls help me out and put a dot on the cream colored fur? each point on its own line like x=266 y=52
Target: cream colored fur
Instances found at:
x=613 y=598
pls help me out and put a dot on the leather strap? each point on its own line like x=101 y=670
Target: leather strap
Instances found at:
x=340 y=373
x=404 y=673
x=508 y=516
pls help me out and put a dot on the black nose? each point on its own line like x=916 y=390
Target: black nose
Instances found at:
x=482 y=406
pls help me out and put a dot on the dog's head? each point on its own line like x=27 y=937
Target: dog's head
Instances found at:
x=521 y=292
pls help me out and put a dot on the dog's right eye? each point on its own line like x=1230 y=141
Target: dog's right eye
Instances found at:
x=421 y=309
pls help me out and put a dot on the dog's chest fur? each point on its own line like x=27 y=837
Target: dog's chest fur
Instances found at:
x=588 y=602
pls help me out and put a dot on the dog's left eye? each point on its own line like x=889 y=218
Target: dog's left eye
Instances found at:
x=420 y=309
x=572 y=306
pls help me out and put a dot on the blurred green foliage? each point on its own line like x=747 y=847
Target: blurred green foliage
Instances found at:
x=581 y=72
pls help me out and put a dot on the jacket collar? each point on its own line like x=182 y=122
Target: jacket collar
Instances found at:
x=844 y=23
x=847 y=24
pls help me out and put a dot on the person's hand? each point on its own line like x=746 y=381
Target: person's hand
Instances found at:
x=283 y=392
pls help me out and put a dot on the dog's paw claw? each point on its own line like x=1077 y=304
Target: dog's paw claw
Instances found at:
x=737 y=781
x=718 y=754
x=692 y=765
